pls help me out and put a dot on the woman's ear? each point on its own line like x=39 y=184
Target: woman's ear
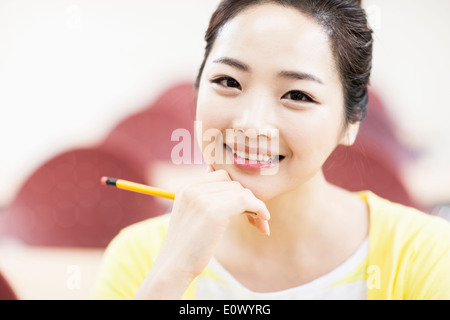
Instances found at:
x=350 y=134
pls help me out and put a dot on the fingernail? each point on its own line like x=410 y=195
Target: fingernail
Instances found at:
x=267 y=228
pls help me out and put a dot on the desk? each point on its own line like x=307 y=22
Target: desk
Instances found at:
x=50 y=273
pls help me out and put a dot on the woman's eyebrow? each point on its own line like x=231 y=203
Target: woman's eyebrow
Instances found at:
x=233 y=63
x=296 y=75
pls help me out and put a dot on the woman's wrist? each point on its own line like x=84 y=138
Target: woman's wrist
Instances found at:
x=164 y=284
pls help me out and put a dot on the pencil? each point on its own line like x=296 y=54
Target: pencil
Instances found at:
x=136 y=187
x=142 y=188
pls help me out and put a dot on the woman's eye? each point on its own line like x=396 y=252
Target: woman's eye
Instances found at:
x=298 y=96
x=227 y=82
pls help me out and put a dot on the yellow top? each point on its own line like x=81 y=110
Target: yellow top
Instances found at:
x=408 y=257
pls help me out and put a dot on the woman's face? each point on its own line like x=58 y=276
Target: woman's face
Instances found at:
x=270 y=81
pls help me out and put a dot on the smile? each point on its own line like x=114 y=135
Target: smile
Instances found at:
x=254 y=161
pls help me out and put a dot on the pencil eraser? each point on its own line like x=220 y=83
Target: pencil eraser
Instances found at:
x=103 y=180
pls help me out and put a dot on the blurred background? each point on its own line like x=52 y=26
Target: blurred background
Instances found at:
x=89 y=88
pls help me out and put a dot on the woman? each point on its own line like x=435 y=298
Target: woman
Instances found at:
x=294 y=74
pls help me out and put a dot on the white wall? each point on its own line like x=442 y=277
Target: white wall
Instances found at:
x=70 y=70
x=411 y=72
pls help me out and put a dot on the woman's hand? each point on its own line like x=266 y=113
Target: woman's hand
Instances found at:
x=200 y=215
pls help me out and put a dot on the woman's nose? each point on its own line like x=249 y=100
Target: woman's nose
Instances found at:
x=256 y=117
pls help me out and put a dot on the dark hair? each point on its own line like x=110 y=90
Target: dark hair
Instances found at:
x=351 y=40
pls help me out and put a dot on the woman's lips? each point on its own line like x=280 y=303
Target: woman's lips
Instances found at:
x=253 y=162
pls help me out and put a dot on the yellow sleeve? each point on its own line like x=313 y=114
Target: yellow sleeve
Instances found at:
x=409 y=255
x=128 y=259
x=430 y=263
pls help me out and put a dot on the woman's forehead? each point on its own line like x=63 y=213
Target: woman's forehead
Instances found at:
x=275 y=36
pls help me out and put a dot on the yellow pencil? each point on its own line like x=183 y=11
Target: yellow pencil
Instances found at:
x=137 y=187
x=142 y=188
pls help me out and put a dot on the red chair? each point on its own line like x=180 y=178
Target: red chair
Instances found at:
x=145 y=136
x=6 y=291
x=374 y=162
x=63 y=203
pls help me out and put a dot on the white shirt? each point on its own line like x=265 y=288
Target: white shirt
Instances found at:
x=345 y=282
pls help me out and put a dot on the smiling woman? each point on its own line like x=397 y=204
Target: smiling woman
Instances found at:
x=293 y=73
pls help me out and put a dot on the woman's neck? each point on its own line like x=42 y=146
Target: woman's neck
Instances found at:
x=314 y=229
x=312 y=215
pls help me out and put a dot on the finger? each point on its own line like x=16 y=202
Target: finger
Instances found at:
x=215 y=175
x=217 y=186
x=242 y=201
x=261 y=210
x=251 y=220
x=209 y=168
x=262 y=226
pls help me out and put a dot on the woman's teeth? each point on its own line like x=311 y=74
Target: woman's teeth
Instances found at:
x=255 y=157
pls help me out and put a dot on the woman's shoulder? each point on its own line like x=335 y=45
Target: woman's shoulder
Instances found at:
x=146 y=236
x=129 y=257
x=153 y=229
x=387 y=216
x=157 y=224
x=411 y=250
x=397 y=229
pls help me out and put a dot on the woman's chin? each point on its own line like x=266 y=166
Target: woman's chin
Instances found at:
x=264 y=187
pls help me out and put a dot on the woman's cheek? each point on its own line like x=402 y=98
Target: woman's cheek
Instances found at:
x=212 y=129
